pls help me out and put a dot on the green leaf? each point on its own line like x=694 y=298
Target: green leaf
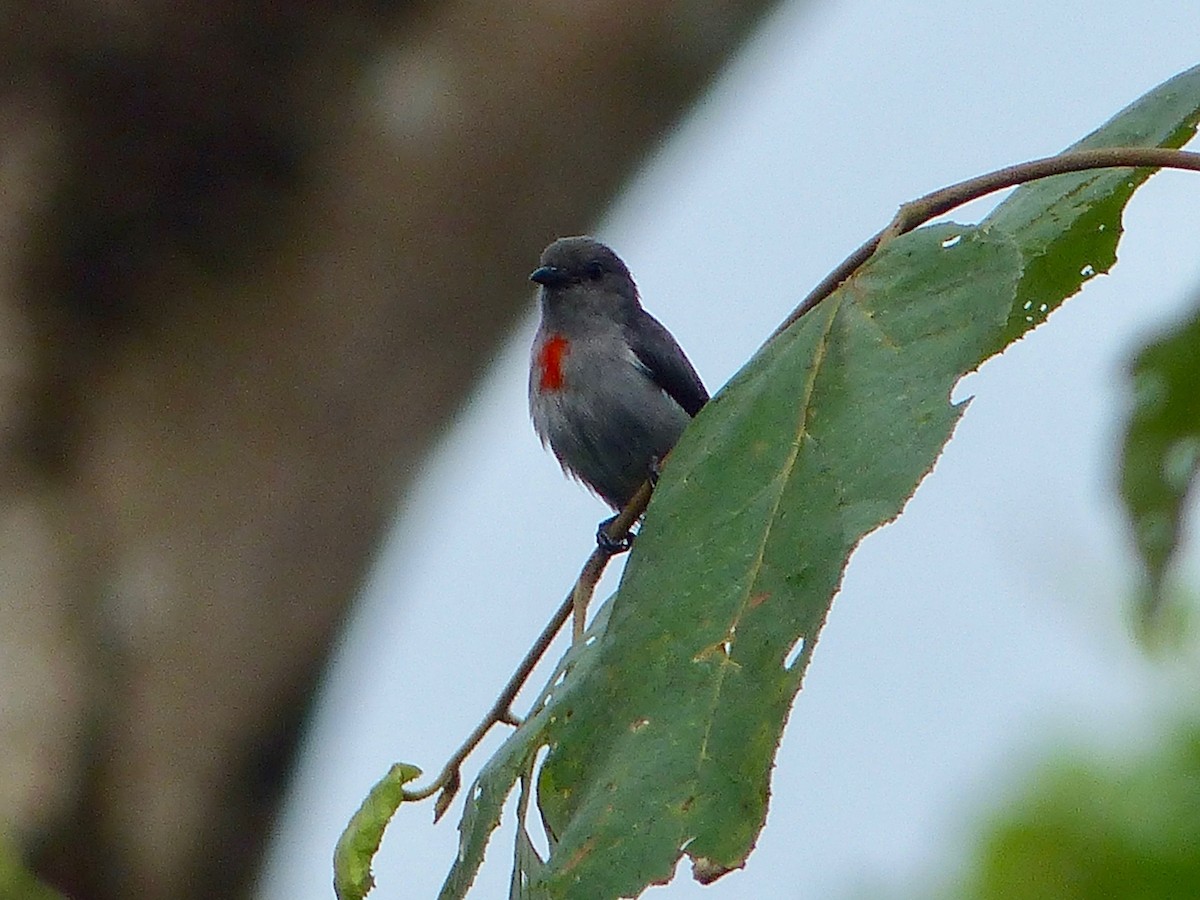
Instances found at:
x=662 y=729
x=352 y=879
x=664 y=745
x=1069 y=225
x=1161 y=453
x=819 y=440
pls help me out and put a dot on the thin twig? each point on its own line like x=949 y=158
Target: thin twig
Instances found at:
x=449 y=780
x=917 y=212
x=616 y=532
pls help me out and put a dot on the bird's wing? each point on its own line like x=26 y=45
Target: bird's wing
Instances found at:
x=666 y=364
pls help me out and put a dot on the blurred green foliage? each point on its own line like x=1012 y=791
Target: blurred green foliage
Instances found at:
x=1161 y=452
x=16 y=883
x=1090 y=829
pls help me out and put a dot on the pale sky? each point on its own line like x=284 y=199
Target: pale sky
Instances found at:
x=985 y=625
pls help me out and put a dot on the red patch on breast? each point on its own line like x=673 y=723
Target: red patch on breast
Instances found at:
x=550 y=359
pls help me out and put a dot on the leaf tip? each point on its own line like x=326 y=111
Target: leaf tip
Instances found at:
x=706 y=871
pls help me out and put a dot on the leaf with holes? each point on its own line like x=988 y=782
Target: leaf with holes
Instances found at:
x=664 y=746
x=662 y=731
x=819 y=440
x=1068 y=226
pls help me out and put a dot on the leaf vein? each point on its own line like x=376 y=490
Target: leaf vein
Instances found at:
x=833 y=305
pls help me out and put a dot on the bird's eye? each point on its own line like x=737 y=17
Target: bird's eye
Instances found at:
x=594 y=270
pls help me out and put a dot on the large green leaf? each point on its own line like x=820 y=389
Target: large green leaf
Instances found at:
x=822 y=438
x=1161 y=455
x=815 y=443
x=662 y=732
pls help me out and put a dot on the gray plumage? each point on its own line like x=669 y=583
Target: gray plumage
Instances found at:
x=610 y=390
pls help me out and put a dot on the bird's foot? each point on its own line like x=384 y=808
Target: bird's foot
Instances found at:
x=607 y=544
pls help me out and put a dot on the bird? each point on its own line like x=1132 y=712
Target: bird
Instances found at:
x=610 y=390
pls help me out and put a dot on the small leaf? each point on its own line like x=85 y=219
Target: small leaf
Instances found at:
x=1161 y=453
x=446 y=795
x=352 y=879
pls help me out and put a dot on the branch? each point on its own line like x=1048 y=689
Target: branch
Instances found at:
x=449 y=780
x=617 y=530
x=917 y=212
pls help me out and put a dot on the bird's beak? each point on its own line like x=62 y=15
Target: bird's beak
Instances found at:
x=549 y=276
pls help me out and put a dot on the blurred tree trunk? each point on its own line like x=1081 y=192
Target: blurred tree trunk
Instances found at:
x=251 y=257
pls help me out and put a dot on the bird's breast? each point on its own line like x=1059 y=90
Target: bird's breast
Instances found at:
x=549 y=361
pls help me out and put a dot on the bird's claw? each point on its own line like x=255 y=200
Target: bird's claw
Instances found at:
x=609 y=545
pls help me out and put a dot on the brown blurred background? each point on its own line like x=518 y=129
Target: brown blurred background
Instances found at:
x=252 y=255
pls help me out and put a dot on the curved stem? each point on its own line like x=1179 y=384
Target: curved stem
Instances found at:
x=917 y=212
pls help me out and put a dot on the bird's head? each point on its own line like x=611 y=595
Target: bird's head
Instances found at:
x=583 y=262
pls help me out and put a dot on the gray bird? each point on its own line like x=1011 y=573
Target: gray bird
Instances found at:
x=610 y=391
